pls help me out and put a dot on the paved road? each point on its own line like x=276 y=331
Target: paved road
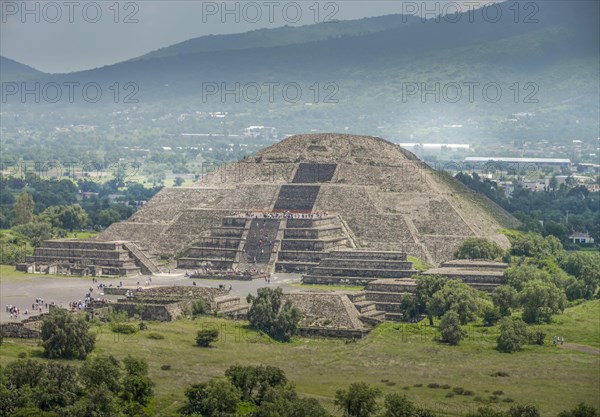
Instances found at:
x=22 y=292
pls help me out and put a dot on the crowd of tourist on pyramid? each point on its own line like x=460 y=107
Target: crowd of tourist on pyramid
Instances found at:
x=281 y=215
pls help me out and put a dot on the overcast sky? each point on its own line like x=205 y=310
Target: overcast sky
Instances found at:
x=64 y=36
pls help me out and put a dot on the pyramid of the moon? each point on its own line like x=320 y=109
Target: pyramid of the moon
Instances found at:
x=383 y=198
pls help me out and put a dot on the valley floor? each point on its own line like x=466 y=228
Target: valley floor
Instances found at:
x=395 y=357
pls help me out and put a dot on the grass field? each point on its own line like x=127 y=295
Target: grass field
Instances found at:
x=393 y=357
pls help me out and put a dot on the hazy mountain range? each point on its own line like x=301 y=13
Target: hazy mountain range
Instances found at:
x=361 y=75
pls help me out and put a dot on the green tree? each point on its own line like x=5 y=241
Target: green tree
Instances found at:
x=505 y=298
x=137 y=386
x=108 y=216
x=479 y=248
x=427 y=285
x=254 y=381
x=23 y=209
x=458 y=297
x=14 y=247
x=540 y=300
x=284 y=402
x=450 y=330
x=581 y=410
x=101 y=371
x=360 y=400
x=66 y=217
x=36 y=231
x=66 y=336
x=271 y=315
x=206 y=336
x=518 y=275
x=216 y=398
x=397 y=405
x=513 y=334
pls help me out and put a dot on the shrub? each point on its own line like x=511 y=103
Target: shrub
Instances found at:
x=445 y=386
x=513 y=334
x=449 y=394
x=397 y=405
x=142 y=326
x=468 y=392
x=582 y=410
x=479 y=248
x=199 y=307
x=491 y=315
x=501 y=374
x=418 y=385
x=537 y=338
x=124 y=328
x=206 y=336
x=165 y=367
x=450 y=329
x=458 y=390
x=498 y=392
x=22 y=355
x=507 y=400
x=433 y=385
x=155 y=336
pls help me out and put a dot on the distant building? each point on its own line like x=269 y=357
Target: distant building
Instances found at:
x=553 y=162
x=436 y=146
x=581 y=238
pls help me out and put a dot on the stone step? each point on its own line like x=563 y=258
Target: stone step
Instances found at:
x=332 y=262
x=393 y=285
x=312 y=233
x=204 y=262
x=394 y=316
x=385 y=297
x=215 y=253
x=387 y=306
x=219 y=242
x=357 y=296
x=237 y=311
x=226 y=231
x=373 y=317
x=313 y=244
x=380 y=255
x=293 y=266
x=234 y=221
x=301 y=256
x=364 y=306
x=335 y=280
x=225 y=301
x=363 y=272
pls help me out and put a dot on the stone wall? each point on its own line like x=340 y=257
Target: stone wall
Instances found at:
x=18 y=330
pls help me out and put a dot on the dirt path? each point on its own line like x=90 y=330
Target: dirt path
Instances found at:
x=581 y=348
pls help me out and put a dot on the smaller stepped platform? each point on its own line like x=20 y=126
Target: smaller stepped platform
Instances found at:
x=354 y=267
x=89 y=257
x=329 y=314
x=482 y=275
x=387 y=294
